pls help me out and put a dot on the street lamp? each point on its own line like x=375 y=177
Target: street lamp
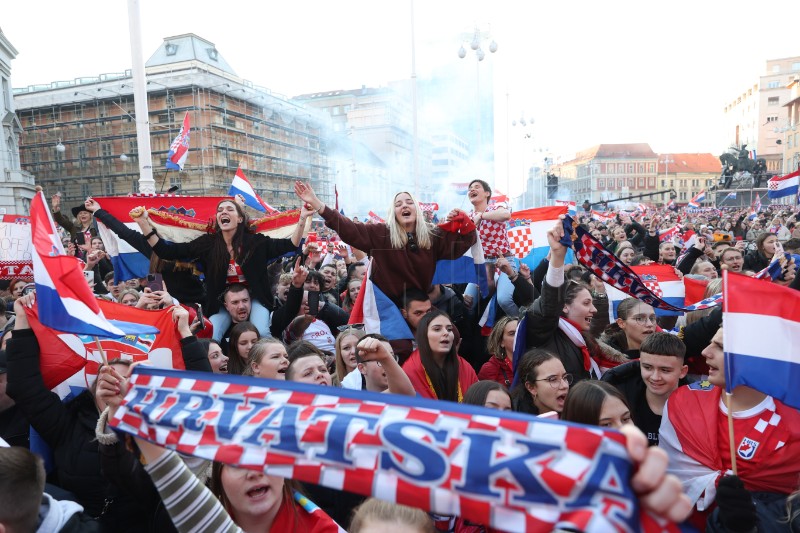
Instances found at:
x=476 y=39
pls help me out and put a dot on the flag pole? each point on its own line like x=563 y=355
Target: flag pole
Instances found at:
x=730 y=432
x=100 y=349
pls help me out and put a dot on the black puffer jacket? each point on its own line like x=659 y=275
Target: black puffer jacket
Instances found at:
x=69 y=430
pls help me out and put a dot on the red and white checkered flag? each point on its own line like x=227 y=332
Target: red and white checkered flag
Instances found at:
x=520 y=240
x=651 y=282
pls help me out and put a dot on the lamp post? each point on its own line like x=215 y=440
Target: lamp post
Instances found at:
x=476 y=39
x=666 y=161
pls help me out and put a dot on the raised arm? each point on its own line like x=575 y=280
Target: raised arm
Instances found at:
x=371 y=349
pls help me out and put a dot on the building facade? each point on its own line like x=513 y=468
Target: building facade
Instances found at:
x=16 y=185
x=79 y=136
x=607 y=172
x=792 y=129
x=758 y=116
x=687 y=175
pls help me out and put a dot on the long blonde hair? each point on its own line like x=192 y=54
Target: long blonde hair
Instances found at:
x=397 y=234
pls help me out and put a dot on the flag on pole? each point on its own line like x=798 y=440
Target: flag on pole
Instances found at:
x=768 y=361
x=781 y=186
x=572 y=207
x=241 y=185
x=65 y=301
x=697 y=201
x=179 y=149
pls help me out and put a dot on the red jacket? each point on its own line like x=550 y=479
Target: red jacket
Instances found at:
x=416 y=373
x=499 y=370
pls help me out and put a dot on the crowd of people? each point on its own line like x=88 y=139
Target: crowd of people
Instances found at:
x=247 y=304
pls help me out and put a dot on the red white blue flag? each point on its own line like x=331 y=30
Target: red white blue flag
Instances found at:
x=179 y=149
x=781 y=186
x=501 y=469
x=768 y=361
x=697 y=201
x=66 y=303
x=377 y=312
x=241 y=185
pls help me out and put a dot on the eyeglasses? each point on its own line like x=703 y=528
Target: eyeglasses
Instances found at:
x=642 y=319
x=351 y=326
x=412 y=242
x=555 y=381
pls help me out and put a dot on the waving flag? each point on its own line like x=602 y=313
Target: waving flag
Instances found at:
x=377 y=312
x=520 y=241
x=605 y=218
x=768 y=361
x=69 y=363
x=671 y=204
x=668 y=235
x=375 y=219
x=469 y=268
x=429 y=207
x=539 y=221
x=698 y=200
x=497 y=197
x=179 y=149
x=506 y=470
x=66 y=303
x=572 y=207
x=460 y=188
x=241 y=185
x=781 y=186
x=662 y=281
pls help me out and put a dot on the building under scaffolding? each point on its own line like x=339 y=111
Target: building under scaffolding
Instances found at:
x=80 y=136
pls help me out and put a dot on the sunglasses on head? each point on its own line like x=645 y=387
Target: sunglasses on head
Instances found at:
x=360 y=327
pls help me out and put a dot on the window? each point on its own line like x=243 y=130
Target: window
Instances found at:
x=170 y=100
x=86 y=190
x=641 y=167
x=135 y=186
x=641 y=183
x=108 y=187
x=683 y=196
x=663 y=183
x=651 y=167
x=133 y=146
x=601 y=182
x=106 y=149
x=631 y=168
x=651 y=182
x=773 y=85
x=229 y=122
x=795 y=66
x=621 y=182
x=772 y=100
x=772 y=118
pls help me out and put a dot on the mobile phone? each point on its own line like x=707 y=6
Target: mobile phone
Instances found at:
x=200 y=316
x=89 y=276
x=155 y=282
x=313 y=303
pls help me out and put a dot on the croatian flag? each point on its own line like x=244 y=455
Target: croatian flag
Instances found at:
x=241 y=185
x=572 y=207
x=781 y=186
x=179 y=149
x=753 y=154
x=378 y=313
x=669 y=234
x=469 y=268
x=731 y=195
x=602 y=217
x=698 y=200
x=460 y=188
x=498 y=197
x=671 y=205
x=65 y=301
x=662 y=280
x=375 y=219
x=770 y=360
x=540 y=220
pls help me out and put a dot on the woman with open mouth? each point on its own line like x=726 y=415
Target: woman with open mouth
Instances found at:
x=435 y=369
x=231 y=253
x=267 y=359
x=543 y=384
x=405 y=249
x=568 y=315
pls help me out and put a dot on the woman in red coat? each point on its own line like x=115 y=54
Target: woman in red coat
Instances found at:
x=435 y=369
x=500 y=346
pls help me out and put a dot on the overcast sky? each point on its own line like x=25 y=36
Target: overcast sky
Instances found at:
x=588 y=72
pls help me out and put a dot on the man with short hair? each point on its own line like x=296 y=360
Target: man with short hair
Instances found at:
x=378 y=364
x=416 y=305
x=26 y=507
x=732 y=258
x=236 y=301
x=694 y=432
x=648 y=382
